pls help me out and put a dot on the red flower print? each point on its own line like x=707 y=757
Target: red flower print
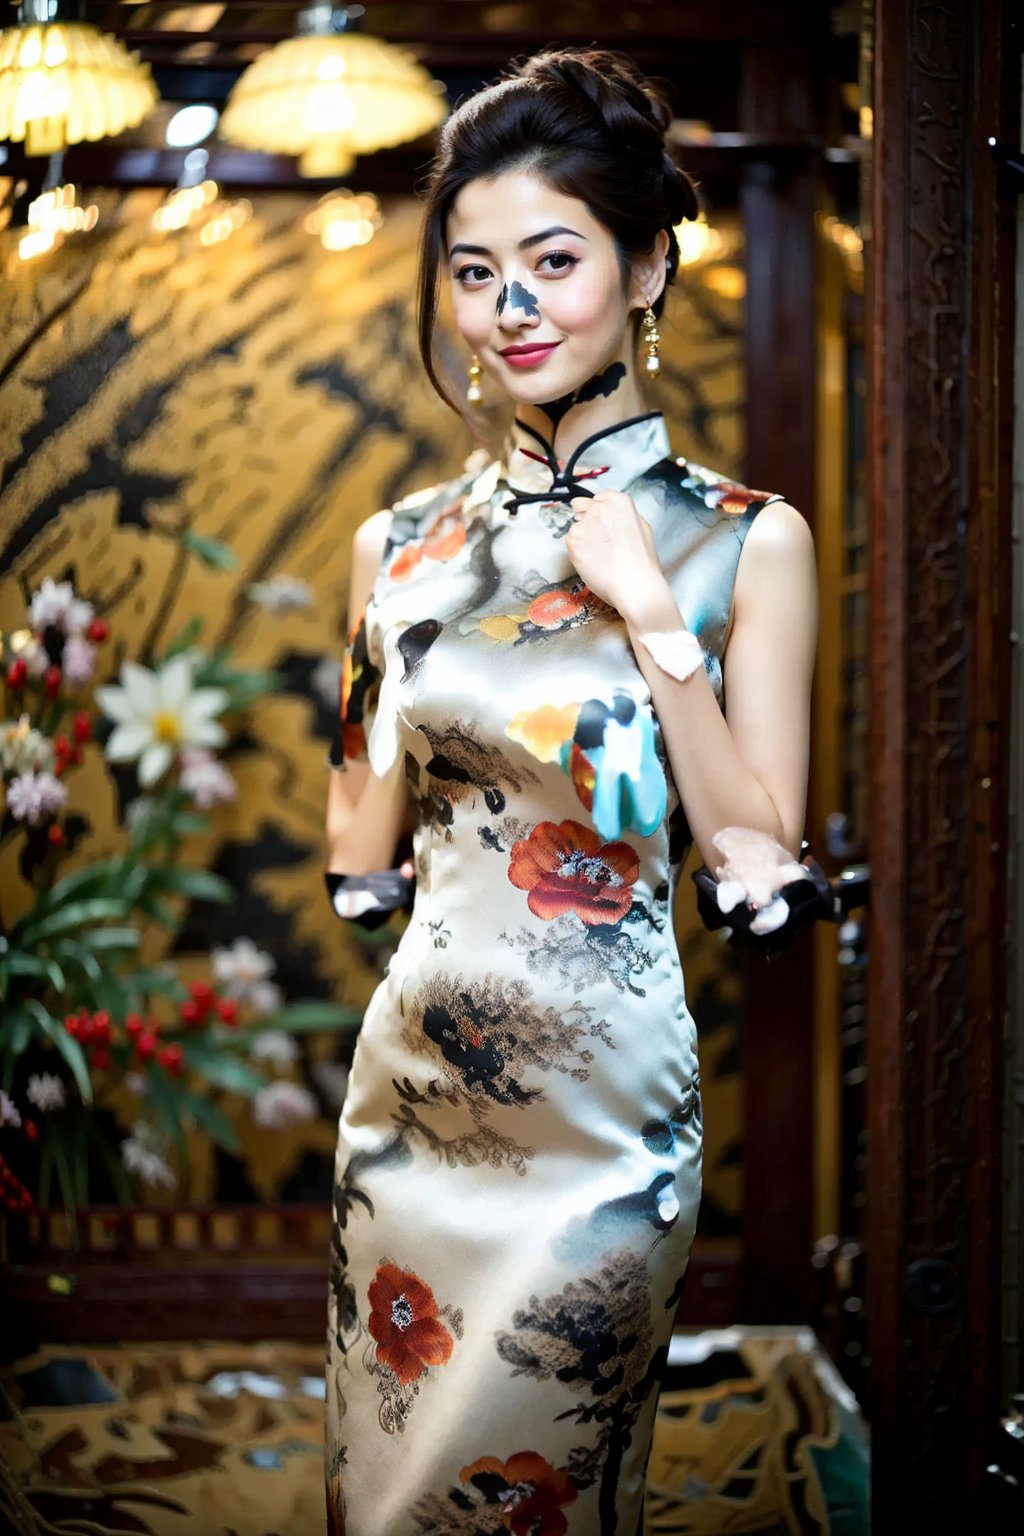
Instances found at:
x=404 y=1321
x=564 y=605
x=566 y=868
x=731 y=498
x=442 y=541
x=581 y=771
x=533 y=1495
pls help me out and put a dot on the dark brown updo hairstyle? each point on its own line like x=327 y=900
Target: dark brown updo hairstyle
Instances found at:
x=593 y=127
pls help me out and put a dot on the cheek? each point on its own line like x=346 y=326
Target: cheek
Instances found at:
x=473 y=313
x=591 y=304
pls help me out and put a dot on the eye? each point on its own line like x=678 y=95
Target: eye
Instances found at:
x=472 y=275
x=563 y=261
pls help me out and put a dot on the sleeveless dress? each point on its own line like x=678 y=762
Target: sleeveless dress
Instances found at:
x=519 y=1154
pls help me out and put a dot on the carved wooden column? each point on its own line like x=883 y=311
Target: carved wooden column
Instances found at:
x=946 y=76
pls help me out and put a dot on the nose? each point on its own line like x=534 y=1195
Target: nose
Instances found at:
x=517 y=306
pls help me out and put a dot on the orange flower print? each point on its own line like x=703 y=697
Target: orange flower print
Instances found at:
x=442 y=541
x=564 y=605
x=404 y=1321
x=530 y=1492
x=545 y=730
x=565 y=867
x=731 y=498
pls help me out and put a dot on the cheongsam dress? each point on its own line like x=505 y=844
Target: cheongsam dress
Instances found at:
x=519 y=1154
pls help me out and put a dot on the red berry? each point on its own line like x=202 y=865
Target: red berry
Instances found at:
x=228 y=1010
x=101 y=1022
x=145 y=1045
x=17 y=673
x=101 y=1058
x=190 y=1011
x=51 y=681
x=61 y=745
x=133 y=1024
x=58 y=769
x=83 y=726
x=31 y=1129
x=201 y=993
x=98 y=630
x=171 y=1058
x=86 y=1030
x=72 y=1023
x=56 y=833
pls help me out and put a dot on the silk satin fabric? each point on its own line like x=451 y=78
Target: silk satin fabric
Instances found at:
x=519 y=1155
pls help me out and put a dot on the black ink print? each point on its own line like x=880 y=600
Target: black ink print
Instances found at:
x=524 y=299
x=605 y=383
x=502 y=300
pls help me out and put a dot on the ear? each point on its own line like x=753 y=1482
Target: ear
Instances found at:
x=649 y=273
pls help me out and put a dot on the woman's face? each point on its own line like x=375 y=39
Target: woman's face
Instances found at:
x=536 y=287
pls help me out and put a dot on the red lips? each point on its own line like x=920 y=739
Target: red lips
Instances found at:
x=530 y=349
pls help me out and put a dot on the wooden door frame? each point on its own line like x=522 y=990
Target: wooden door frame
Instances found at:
x=940 y=390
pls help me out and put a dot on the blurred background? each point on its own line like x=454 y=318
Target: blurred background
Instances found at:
x=208 y=379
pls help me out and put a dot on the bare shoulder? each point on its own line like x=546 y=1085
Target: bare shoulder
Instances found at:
x=779 y=529
x=370 y=538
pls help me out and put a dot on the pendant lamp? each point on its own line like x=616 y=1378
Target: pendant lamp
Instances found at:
x=331 y=93
x=62 y=81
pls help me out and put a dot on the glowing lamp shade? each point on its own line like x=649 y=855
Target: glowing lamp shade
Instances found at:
x=63 y=82
x=330 y=97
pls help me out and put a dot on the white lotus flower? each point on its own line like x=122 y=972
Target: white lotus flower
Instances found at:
x=34 y=797
x=55 y=603
x=23 y=748
x=283 y=1104
x=140 y=1155
x=274 y=1045
x=78 y=659
x=159 y=713
x=46 y=1091
x=281 y=594
x=243 y=970
x=9 y=1114
x=207 y=781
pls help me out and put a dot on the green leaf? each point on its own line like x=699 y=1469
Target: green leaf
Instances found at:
x=113 y=938
x=66 y=919
x=56 y=976
x=90 y=880
x=198 y=884
x=187 y=824
x=153 y=980
x=22 y=964
x=210 y=551
x=157 y=910
x=73 y=953
x=167 y=1101
x=118 y=1175
x=225 y=1071
x=304 y=1016
x=189 y=635
x=66 y=1044
x=212 y=1119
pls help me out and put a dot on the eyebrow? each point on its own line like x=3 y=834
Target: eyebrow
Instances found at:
x=524 y=245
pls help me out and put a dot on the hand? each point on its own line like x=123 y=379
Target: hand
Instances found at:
x=613 y=549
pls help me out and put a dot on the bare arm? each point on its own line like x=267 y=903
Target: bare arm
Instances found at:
x=749 y=767
x=365 y=815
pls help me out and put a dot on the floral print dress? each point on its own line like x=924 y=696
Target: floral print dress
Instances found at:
x=519 y=1155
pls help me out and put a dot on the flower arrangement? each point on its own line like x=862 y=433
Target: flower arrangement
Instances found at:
x=82 y=1019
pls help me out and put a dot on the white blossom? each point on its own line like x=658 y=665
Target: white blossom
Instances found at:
x=140 y=1155
x=281 y=594
x=46 y=1091
x=23 y=748
x=141 y=811
x=275 y=1045
x=32 y=797
x=283 y=1104
x=207 y=781
x=35 y=657
x=137 y=1082
x=78 y=659
x=264 y=998
x=242 y=969
x=159 y=713
x=8 y=1110
x=55 y=603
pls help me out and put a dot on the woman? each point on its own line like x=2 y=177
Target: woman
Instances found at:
x=537 y=670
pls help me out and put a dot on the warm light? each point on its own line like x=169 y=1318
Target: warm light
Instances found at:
x=202 y=205
x=53 y=215
x=329 y=96
x=726 y=281
x=698 y=241
x=65 y=81
x=345 y=219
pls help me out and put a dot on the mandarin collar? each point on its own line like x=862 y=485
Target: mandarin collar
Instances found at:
x=607 y=460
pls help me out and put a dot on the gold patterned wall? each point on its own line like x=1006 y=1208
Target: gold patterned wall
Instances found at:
x=265 y=392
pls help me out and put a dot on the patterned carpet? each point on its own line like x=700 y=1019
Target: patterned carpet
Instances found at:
x=756 y=1435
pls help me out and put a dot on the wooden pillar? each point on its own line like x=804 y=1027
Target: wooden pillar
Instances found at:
x=940 y=271
x=777 y=101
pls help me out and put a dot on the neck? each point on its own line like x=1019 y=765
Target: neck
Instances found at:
x=611 y=396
